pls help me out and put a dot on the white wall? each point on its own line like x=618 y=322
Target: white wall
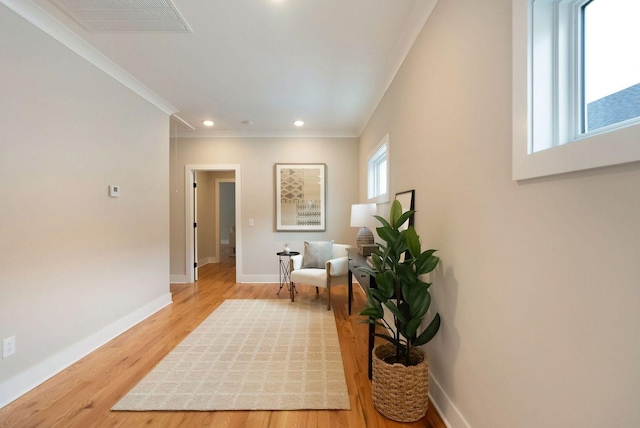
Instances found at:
x=257 y=157
x=539 y=284
x=76 y=266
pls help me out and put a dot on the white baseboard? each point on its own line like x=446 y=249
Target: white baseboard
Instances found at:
x=25 y=381
x=178 y=279
x=243 y=279
x=449 y=413
x=259 y=279
x=207 y=260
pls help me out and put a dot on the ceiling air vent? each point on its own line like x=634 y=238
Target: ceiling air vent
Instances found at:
x=125 y=15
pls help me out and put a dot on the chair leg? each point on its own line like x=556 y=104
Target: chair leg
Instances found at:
x=292 y=290
x=328 y=298
x=317 y=292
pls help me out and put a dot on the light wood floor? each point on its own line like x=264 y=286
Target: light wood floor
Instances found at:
x=82 y=395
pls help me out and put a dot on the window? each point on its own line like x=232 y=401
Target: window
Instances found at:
x=576 y=85
x=611 y=72
x=378 y=173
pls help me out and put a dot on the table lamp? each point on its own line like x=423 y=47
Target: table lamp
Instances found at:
x=362 y=216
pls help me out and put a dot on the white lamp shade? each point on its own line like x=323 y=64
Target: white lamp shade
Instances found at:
x=362 y=215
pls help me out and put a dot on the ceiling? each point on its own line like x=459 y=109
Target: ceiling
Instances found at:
x=255 y=66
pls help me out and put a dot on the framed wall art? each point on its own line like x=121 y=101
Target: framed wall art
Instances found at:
x=300 y=197
x=407 y=202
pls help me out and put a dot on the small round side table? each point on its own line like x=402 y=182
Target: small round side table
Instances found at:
x=285 y=277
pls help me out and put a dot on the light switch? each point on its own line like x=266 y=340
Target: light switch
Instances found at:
x=114 y=190
x=251 y=222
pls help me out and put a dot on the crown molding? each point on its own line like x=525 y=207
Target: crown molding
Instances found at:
x=54 y=28
x=183 y=124
x=183 y=133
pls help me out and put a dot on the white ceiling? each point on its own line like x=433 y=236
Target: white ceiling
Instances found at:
x=327 y=62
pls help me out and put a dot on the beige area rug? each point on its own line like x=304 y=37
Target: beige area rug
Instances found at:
x=250 y=355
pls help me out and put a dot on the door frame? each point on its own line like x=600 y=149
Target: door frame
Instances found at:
x=194 y=231
x=189 y=214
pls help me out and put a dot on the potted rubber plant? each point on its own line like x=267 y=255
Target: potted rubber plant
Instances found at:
x=400 y=370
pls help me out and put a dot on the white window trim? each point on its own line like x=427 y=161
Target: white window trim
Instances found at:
x=384 y=197
x=597 y=149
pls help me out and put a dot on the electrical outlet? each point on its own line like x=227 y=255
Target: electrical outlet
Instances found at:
x=8 y=346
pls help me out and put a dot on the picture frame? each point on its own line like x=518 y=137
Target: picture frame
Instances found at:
x=407 y=201
x=300 y=192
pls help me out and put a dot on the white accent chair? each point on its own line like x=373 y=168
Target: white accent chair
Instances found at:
x=335 y=272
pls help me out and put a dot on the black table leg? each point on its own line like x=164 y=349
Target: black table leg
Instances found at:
x=350 y=283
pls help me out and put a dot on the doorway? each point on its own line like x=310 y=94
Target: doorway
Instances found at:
x=191 y=224
x=225 y=212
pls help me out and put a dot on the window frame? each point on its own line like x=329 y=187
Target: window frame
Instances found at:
x=374 y=192
x=564 y=148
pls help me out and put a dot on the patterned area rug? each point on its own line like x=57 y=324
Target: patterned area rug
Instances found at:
x=250 y=355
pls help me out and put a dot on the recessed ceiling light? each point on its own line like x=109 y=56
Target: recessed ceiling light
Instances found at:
x=298 y=123
x=207 y=122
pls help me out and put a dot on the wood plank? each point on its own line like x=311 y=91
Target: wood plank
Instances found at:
x=83 y=394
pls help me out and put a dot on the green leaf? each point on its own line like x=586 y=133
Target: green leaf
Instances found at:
x=386 y=284
x=377 y=294
x=373 y=303
x=385 y=260
x=422 y=258
x=406 y=291
x=405 y=310
x=406 y=274
x=384 y=222
x=429 y=332
x=412 y=326
x=403 y=219
x=413 y=241
x=372 y=312
x=422 y=302
x=402 y=328
x=366 y=270
x=395 y=311
x=415 y=295
x=423 y=284
x=426 y=254
x=395 y=212
x=376 y=259
x=387 y=234
x=426 y=264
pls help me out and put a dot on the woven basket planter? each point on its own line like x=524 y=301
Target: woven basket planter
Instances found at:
x=400 y=392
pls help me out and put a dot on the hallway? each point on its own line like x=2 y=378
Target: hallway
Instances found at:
x=82 y=395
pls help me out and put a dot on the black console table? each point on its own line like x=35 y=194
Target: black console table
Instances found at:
x=366 y=281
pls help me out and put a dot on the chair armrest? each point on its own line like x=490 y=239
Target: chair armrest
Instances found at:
x=295 y=262
x=338 y=266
